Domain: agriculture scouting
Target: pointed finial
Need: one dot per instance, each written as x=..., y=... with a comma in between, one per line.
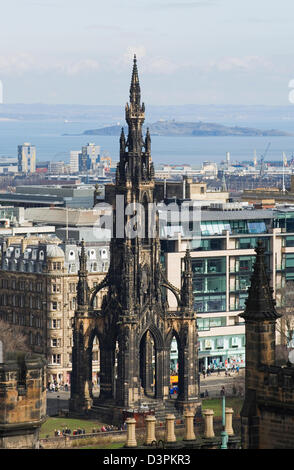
x=260, y=304
x=135, y=92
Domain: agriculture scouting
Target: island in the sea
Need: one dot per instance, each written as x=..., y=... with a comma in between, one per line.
x=194, y=129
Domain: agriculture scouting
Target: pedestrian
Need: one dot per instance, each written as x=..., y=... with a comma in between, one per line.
x=203, y=372
x=206, y=393
x=218, y=370
x=223, y=391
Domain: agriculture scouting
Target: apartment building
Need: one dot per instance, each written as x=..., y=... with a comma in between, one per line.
x=38, y=281
x=26, y=158
x=222, y=260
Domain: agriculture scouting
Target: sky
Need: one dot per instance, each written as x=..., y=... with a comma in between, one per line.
x=189, y=51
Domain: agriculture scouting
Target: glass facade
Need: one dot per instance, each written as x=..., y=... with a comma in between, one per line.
x=216, y=227
x=289, y=267
x=209, y=284
x=251, y=243
x=220, y=283
x=204, y=324
x=209, y=244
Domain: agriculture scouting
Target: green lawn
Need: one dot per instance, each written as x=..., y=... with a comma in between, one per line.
x=216, y=405
x=51, y=424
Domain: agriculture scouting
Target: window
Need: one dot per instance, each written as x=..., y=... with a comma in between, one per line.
x=56, y=358
x=256, y=227
x=55, y=342
x=220, y=343
x=56, y=266
x=198, y=266
x=207, y=344
x=54, y=323
x=54, y=306
x=209, y=303
x=235, y=342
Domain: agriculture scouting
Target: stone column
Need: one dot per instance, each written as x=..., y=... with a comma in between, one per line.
x=208, y=423
x=170, y=428
x=150, y=421
x=189, y=426
x=229, y=420
x=131, y=433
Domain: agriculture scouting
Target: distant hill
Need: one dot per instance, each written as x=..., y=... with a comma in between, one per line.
x=173, y=128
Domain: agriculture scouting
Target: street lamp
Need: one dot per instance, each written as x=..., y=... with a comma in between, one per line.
x=58, y=404
x=224, y=435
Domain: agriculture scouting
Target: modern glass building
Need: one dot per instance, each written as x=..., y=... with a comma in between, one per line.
x=223, y=257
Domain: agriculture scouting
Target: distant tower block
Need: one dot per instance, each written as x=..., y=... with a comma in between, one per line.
x=228, y=159
x=255, y=158
x=1, y=92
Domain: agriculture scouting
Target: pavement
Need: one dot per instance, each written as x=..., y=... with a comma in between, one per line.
x=213, y=383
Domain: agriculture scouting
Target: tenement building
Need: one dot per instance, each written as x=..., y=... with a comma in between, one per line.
x=134, y=325
x=38, y=281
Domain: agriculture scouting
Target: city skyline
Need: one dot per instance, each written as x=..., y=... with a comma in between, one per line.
x=203, y=52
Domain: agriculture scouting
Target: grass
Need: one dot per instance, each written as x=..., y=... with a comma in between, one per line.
x=51, y=424
x=215, y=404
x=114, y=445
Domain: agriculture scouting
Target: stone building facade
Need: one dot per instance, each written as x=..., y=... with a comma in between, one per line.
x=22, y=399
x=38, y=281
x=267, y=416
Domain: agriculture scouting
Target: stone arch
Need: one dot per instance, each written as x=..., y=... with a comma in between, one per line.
x=155, y=333
x=151, y=372
x=95, y=291
x=173, y=290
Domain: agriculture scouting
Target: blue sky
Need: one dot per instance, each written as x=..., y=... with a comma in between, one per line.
x=189, y=51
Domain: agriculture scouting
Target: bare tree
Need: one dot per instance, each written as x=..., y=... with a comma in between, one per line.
x=285, y=325
x=12, y=338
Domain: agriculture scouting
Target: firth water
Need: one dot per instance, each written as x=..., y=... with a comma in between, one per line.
x=52, y=145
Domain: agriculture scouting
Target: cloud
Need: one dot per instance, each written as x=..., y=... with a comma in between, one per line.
x=161, y=65
x=22, y=63
x=240, y=63
x=74, y=68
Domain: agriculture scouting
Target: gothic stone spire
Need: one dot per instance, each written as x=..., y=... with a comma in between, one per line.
x=135, y=114
x=82, y=286
x=187, y=283
x=260, y=304
x=135, y=91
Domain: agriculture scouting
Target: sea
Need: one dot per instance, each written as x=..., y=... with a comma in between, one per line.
x=52, y=145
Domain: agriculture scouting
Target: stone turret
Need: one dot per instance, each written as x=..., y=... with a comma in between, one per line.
x=22, y=400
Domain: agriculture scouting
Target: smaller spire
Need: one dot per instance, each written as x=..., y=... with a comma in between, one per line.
x=147, y=141
x=260, y=304
x=82, y=286
x=83, y=257
x=187, y=282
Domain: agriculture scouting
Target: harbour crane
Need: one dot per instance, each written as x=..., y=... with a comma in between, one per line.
x=262, y=157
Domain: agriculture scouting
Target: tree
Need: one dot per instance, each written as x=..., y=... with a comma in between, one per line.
x=12, y=338
x=285, y=325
